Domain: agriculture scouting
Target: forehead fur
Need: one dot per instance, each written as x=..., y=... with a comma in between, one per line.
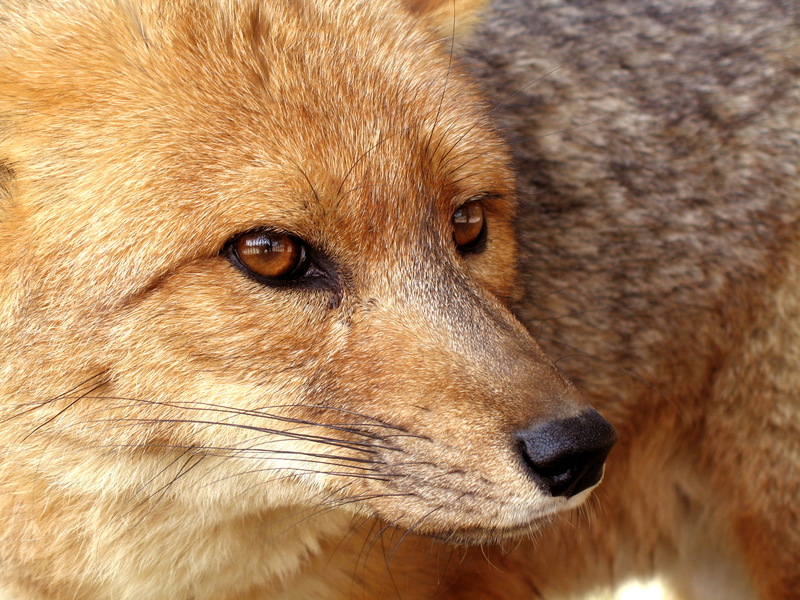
x=229, y=115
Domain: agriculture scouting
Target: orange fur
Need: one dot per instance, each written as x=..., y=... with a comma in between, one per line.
x=174, y=429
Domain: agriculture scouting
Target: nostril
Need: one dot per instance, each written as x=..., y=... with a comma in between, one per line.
x=566, y=456
x=565, y=475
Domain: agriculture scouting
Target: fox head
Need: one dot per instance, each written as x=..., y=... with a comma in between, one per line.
x=258, y=255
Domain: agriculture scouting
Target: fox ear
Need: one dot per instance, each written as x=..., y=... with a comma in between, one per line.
x=449, y=17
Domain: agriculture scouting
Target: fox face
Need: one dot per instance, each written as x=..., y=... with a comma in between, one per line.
x=256, y=257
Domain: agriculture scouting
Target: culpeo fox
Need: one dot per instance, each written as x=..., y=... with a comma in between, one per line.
x=256, y=258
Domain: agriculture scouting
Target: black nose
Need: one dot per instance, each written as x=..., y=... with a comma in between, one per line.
x=567, y=456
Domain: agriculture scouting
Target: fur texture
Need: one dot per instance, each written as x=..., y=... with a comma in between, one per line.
x=658, y=149
x=172, y=426
x=174, y=429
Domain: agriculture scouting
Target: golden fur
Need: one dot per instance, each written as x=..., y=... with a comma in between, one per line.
x=174, y=429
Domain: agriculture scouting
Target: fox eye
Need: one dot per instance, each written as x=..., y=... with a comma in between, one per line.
x=270, y=255
x=469, y=227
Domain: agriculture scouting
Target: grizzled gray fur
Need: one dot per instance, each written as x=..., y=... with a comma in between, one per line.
x=658, y=148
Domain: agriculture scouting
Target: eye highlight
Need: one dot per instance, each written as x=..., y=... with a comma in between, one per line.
x=469, y=227
x=270, y=255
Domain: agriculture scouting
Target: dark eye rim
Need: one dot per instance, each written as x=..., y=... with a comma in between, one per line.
x=308, y=274
x=477, y=245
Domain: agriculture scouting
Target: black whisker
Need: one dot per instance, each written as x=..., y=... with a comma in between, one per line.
x=444, y=90
x=293, y=473
x=363, y=447
x=190, y=463
x=497, y=106
x=308, y=181
x=260, y=413
x=359, y=558
x=363, y=155
x=357, y=499
x=37, y=405
x=63, y=410
x=455, y=170
x=229, y=452
x=412, y=529
x=350, y=533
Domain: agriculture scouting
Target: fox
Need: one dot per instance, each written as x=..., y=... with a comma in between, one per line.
x=258, y=261
x=311, y=299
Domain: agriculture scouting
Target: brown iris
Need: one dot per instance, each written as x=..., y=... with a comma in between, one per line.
x=271, y=255
x=468, y=226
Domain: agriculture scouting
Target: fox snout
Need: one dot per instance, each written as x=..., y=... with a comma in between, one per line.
x=494, y=439
x=567, y=456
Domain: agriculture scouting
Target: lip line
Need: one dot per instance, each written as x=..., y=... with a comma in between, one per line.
x=532, y=523
x=478, y=535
